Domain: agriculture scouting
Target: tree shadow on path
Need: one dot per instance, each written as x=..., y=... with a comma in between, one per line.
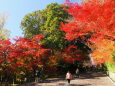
x=80, y=85
x=63, y=84
x=92, y=75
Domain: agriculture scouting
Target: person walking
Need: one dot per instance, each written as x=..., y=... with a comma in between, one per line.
x=69, y=77
x=77, y=73
x=37, y=75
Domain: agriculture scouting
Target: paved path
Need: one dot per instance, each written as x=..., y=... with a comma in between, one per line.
x=88, y=79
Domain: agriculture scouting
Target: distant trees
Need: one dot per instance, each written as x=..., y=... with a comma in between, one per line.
x=4, y=33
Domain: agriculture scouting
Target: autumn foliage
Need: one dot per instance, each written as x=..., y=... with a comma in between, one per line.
x=93, y=18
x=72, y=53
x=23, y=55
x=103, y=51
x=92, y=23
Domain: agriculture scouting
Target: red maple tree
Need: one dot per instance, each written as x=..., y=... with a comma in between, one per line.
x=23, y=55
x=93, y=18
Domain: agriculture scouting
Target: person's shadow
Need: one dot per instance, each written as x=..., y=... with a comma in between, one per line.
x=66, y=84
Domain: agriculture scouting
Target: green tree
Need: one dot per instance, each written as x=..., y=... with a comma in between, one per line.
x=47, y=22
x=31, y=24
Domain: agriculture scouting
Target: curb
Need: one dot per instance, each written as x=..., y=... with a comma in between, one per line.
x=113, y=82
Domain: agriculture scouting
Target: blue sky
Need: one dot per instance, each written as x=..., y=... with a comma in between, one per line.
x=17, y=9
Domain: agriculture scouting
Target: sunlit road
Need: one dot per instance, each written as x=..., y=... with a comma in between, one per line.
x=88, y=79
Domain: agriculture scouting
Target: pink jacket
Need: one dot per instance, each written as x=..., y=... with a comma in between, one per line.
x=69, y=76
